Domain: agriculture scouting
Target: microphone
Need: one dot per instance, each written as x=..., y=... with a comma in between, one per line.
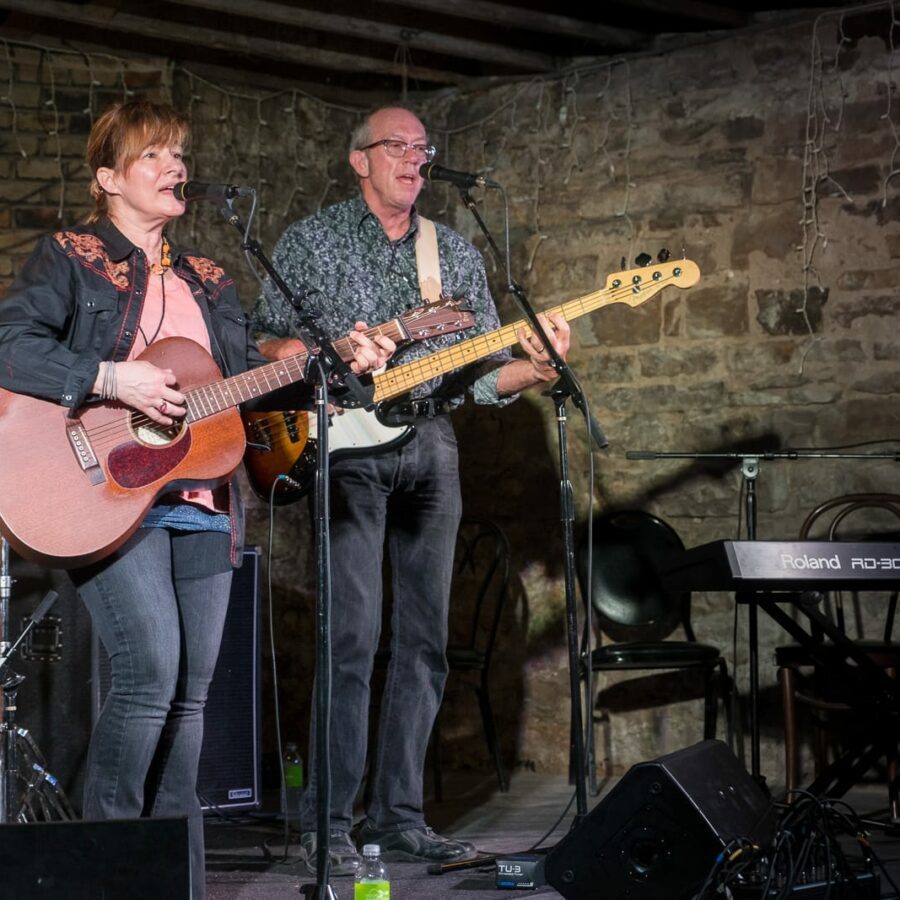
x=434, y=172
x=197, y=190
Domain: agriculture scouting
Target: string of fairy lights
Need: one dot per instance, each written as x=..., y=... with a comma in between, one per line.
x=827, y=98
x=251, y=136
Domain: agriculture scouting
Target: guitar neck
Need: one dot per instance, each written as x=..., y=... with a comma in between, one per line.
x=399, y=380
x=230, y=392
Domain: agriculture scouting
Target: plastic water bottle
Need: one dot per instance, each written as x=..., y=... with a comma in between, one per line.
x=371, y=878
x=293, y=780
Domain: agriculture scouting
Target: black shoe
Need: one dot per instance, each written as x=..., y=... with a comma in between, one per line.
x=343, y=856
x=415, y=845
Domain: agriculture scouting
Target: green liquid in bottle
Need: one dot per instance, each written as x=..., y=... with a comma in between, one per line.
x=372, y=890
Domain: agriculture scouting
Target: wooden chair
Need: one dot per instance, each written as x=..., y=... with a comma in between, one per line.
x=631, y=607
x=800, y=678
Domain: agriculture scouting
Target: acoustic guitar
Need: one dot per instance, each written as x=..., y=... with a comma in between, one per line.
x=74, y=486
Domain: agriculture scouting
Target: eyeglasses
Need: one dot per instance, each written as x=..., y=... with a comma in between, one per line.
x=399, y=149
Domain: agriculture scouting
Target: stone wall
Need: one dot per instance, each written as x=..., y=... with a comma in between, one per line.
x=768, y=158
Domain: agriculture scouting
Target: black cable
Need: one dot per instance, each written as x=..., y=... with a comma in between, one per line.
x=536, y=846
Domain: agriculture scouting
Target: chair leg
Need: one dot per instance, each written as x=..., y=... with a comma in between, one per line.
x=726, y=694
x=893, y=770
x=590, y=741
x=710, y=704
x=788, y=682
x=490, y=734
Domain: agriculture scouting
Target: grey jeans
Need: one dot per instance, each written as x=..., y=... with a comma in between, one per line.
x=411, y=498
x=159, y=607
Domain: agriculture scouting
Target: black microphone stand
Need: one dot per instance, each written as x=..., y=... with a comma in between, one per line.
x=332, y=369
x=567, y=386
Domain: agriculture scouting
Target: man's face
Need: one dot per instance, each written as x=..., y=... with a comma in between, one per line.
x=391, y=184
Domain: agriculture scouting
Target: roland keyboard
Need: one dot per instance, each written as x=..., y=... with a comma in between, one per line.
x=783, y=566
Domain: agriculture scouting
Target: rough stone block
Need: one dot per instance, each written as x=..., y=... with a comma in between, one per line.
x=847, y=312
x=37, y=167
x=869, y=279
x=622, y=326
x=776, y=180
x=778, y=310
x=774, y=232
x=672, y=361
x=744, y=128
x=881, y=382
x=716, y=311
x=855, y=180
x=886, y=351
x=573, y=275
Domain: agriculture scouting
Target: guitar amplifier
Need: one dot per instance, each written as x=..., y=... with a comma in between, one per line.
x=229, y=776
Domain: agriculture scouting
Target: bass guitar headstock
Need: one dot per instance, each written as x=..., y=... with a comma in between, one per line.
x=635, y=286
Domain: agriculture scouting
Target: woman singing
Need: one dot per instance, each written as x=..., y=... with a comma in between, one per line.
x=88, y=302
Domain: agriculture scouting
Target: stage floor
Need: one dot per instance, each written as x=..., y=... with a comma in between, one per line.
x=246, y=857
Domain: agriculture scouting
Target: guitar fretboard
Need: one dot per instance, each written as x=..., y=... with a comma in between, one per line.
x=399, y=380
x=230, y=392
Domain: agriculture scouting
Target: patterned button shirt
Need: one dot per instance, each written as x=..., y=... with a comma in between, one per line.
x=353, y=272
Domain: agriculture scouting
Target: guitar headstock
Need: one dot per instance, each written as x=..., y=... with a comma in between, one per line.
x=444, y=316
x=635, y=286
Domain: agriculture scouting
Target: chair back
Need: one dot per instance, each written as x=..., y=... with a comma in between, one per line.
x=627, y=596
x=481, y=571
x=835, y=520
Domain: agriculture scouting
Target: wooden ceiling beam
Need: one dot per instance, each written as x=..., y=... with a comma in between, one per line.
x=210, y=38
x=529, y=20
x=708, y=14
x=369, y=29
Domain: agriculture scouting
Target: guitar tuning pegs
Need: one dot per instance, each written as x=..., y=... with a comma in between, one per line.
x=643, y=259
x=663, y=255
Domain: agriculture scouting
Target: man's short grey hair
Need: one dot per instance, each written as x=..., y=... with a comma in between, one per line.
x=362, y=134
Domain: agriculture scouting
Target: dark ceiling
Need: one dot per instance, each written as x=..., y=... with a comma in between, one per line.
x=379, y=46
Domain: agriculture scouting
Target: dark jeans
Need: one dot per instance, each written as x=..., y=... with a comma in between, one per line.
x=159, y=607
x=411, y=496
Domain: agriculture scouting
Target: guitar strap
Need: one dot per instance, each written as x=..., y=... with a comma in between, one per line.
x=428, y=264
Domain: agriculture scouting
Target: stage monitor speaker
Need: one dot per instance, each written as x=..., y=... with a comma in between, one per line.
x=141, y=859
x=657, y=833
x=229, y=776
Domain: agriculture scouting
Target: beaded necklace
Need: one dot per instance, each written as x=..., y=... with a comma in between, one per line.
x=160, y=268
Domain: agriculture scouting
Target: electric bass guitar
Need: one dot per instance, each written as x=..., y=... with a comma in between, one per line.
x=284, y=466
x=74, y=486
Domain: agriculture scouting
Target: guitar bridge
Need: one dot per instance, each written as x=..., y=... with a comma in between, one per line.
x=84, y=452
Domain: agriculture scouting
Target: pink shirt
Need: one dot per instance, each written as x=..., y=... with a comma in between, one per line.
x=175, y=313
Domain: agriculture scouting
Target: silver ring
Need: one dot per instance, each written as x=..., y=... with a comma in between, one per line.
x=162, y=408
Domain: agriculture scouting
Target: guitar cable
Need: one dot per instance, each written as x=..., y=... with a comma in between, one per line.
x=286, y=833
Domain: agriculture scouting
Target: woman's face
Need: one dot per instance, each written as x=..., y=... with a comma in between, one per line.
x=143, y=192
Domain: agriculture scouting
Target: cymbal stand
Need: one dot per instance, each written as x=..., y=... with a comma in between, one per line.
x=40, y=781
